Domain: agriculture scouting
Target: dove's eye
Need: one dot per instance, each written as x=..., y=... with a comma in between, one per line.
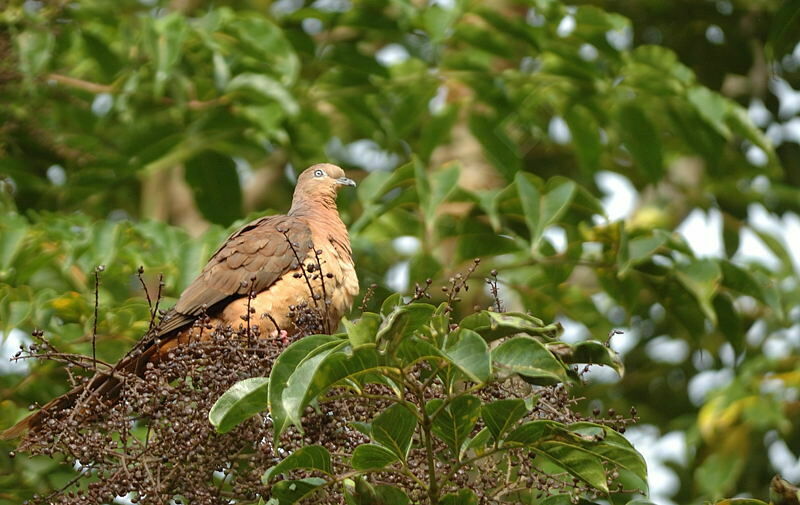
x=318, y=173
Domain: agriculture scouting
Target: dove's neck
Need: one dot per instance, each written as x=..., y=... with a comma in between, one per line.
x=314, y=205
x=321, y=214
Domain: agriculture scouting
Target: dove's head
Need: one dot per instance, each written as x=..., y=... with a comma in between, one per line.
x=318, y=184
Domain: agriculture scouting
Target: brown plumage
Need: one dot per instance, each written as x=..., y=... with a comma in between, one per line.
x=261, y=258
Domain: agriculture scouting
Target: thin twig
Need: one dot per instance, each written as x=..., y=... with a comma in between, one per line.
x=300, y=264
x=250, y=296
x=97, y=271
x=95, y=88
x=325, y=302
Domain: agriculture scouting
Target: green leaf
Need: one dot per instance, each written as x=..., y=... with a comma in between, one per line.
x=14, y=313
x=239, y=402
x=719, y=472
x=783, y=33
x=586, y=137
x=463, y=497
x=501, y=151
x=390, y=495
x=588, y=352
x=309, y=457
x=391, y=303
x=222, y=71
x=364, y=330
x=442, y=184
x=362, y=492
x=638, y=250
x=371, y=456
x=283, y=368
x=738, y=279
x=267, y=43
x=266, y=88
x=701, y=278
x=170, y=32
x=642, y=140
x=438, y=22
x=469, y=352
x=287, y=492
x=500, y=415
x=728, y=321
x=739, y=121
x=483, y=245
x=35, y=50
x=528, y=357
x=436, y=130
x=98, y=49
x=13, y=230
x=318, y=373
x=454, y=423
x=712, y=107
x=495, y=325
x=615, y=449
x=402, y=322
x=394, y=429
x=215, y=184
x=543, y=210
x=577, y=462
x=414, y=349
x=554, y=442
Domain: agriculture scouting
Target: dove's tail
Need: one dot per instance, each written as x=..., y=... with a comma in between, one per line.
x=105, y=386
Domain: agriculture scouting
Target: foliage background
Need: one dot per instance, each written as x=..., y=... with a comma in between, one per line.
x=138, y=132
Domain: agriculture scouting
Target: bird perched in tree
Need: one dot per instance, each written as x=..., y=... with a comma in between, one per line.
x=260, y=274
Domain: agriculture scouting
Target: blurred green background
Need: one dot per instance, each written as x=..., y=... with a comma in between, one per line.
x=624, y=165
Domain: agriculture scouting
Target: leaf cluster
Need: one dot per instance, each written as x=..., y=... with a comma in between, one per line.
x=461, y=402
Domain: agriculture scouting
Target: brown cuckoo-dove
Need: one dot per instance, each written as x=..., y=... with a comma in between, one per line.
x=260, y=267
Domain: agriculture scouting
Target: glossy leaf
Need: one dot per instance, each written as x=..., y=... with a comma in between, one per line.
x=283, y=368
x=494, y=325
x=243, y=400
x=528, y=357
x=454, y=423
x=543, y=209
x=318, y=373
x=554, y=442
x=309, y=457
x=364, y=330
x=469, y=352
x=371, y=456
x=362, y=492
x=394, y=428
x=701, y=278
x=614, y=448
x=588, y=352
x=402, y=322
x=500, y=415
x=287, y=492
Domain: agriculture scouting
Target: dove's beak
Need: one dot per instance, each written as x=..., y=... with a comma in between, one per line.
x=344, y=181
